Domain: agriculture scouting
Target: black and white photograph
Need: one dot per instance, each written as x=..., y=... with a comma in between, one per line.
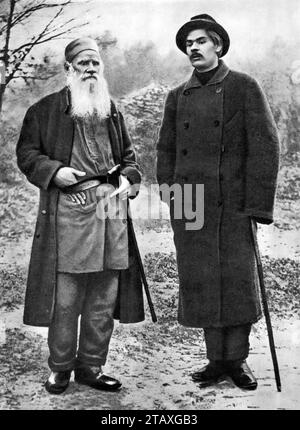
x=149, y=207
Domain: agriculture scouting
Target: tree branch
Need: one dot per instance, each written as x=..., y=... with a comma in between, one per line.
x=35, y=40
x=35, y=78
x=8, y=32
x=20, y=11
x=29, y=46
x=18, y=18
x=48, y=31
x=40, y=39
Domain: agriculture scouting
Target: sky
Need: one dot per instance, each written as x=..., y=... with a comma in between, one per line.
x=252, y=24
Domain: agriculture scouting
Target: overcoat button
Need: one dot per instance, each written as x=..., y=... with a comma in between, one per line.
x=184, y=151
x=187, y=93
x=44, y=212
x=218, y=90
x=216, y=123
x=220, y=203
x=221, y=177
x=124, y=221
x=186, y=124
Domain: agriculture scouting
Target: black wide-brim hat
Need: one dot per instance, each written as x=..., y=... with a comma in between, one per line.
x=207, y=23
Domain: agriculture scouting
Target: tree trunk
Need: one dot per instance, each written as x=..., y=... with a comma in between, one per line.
x=2, y=90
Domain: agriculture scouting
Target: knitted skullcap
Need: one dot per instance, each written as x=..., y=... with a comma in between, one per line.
x=79, y=45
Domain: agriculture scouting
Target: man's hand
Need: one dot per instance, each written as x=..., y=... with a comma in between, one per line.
x=125, y=189
x=65, y=176
x=79, y=198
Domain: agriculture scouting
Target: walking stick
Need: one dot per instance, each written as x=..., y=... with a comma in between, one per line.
x=142, y=272
x=138, y=255
x=265, y=307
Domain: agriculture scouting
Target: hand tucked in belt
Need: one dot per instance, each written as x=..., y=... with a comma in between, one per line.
x=66, y=176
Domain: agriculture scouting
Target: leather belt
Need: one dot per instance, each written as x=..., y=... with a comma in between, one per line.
x=86, y=185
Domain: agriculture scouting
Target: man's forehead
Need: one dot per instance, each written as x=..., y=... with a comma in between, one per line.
x=87, y=55
x=195, y=34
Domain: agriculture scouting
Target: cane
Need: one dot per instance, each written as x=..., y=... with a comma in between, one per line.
x=265, y=307
x=141, y=268
x=138, y=255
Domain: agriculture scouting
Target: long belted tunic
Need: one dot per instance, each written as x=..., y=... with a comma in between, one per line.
x=221, y=135
x=87, y=239
x=45, y=144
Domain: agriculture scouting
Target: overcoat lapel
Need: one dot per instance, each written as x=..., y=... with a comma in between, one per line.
x=65, y=137
x=115, y=135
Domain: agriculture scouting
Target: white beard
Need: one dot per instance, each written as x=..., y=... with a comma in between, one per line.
x=89, y=97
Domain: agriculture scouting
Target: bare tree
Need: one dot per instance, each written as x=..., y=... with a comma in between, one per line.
x=16, y=62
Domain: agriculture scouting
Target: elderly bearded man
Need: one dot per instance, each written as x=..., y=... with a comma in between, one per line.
x=218, y=130
x=82, y=261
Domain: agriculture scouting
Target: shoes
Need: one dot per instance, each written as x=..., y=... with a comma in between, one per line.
x=208, y=375
x=242, y=376
x=99, y=381
x=58, y=382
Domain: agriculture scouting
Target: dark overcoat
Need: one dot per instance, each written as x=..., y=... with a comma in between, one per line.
x=45, y=145
x=221, y=135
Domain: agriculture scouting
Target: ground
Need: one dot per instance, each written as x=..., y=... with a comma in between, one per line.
x=154, y=361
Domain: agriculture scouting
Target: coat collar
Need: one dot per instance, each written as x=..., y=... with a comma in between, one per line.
x=218, y=77
x=65, y=100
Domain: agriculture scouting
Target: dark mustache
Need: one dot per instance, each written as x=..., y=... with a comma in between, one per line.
x=196, y=55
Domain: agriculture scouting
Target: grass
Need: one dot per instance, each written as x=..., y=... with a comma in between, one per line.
x=281, y=279
x=12, y=281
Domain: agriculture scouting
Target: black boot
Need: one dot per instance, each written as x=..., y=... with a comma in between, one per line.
x=58, y=382
x=241, y=375
x=99, y=381
x=209, y=374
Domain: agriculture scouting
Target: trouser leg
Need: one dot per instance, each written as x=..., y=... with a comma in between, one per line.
x=97, y=322
x=227, y=343
x=62, y=334
x=214, y=341
x=236, y=345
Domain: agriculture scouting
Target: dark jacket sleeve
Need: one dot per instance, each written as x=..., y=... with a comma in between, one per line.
x=129, y=167
x=38, y=167
x=166, y=149
x=262, y=160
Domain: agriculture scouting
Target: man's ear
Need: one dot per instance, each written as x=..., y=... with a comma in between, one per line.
x=68, y=66
x=219, y=49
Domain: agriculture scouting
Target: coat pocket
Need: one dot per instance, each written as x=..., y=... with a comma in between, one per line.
x=235, y=121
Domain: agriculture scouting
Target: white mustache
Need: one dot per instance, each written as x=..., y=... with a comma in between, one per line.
x=84, y=78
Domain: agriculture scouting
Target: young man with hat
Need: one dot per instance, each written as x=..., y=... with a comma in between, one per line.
x=218, y=130
x=75, y=148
